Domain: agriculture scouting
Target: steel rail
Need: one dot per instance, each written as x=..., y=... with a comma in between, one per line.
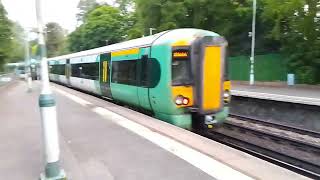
x=280, y=159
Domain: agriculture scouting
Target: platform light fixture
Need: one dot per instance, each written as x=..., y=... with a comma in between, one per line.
x=27, y=62
x=151, y=30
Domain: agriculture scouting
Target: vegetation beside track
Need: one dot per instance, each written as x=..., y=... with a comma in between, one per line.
x=290, y=28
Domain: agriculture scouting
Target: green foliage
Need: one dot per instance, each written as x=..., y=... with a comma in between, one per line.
x=85, y=6
x=55, y=39
x=282, y=25
x=295, y=25
x=5, y=36
x=18, y=43
x=125, y=5
x=102, y=25
x=231, y=19
x=11, y=40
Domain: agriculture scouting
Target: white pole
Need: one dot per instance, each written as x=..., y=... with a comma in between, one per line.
x=48, y=113
x=27, y=63
x=151, y=31
x=253, y=42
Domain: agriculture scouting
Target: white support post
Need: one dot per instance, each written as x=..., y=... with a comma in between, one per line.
x=27, y=64
x=48, y=113
x=252, y=58
x=151, y=31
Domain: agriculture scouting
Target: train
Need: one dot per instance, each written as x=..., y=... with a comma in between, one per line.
x=178, y=76
x=34, y=69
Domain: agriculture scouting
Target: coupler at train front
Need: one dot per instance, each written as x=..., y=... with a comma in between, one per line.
x=201, y=122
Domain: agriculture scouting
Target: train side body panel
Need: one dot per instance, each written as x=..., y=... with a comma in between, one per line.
x=161, y=96
x=123, y=87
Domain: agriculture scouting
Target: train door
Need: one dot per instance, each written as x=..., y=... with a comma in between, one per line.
x=68, y=71
x=105, y=60
x=143, y=79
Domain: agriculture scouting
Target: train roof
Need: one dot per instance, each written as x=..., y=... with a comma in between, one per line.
x=140, y=42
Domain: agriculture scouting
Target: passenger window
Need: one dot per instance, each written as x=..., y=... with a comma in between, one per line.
x=90, y=71
x=58, y=69
x=85, y=70
x=75, y=71
x=124, y=72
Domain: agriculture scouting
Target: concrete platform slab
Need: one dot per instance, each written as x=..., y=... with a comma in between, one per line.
x=247, y=164
x=92, y=147
x=100, y=140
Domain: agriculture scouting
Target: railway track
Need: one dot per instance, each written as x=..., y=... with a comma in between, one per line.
x=296, y=155
x=277, y=125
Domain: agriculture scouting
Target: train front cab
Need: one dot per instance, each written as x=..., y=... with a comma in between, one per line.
x=199, y=83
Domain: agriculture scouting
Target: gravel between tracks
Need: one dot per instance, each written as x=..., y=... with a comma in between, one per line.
x=277, y=131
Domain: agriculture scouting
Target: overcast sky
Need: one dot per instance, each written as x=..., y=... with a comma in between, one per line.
x=60, y=11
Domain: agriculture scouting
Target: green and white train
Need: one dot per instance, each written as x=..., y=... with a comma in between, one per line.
x=178, y=75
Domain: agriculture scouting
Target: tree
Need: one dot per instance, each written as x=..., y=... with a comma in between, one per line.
x=18, y=43
x=55, y=39
x=6, y=36
x=231, y=19
x=296, y=25
x=103, y=25
x=84, y=7
x=125, y=6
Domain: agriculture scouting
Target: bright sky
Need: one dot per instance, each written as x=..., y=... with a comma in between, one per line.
x=60, y=11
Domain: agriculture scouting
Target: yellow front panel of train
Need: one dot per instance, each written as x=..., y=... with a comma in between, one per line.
x=212, y=78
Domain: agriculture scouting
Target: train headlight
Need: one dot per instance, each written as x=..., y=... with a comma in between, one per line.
x=185, y=101
x=227, y=96
x=180, y=100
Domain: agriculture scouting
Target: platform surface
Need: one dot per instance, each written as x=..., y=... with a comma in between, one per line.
x=303, y=95
x=98, y=143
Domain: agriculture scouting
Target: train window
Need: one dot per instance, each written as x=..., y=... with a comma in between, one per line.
x=75, y=71
x=90, y=71
x=124, y=72
x=181, y=68
x=85, y=70
x=58, y=69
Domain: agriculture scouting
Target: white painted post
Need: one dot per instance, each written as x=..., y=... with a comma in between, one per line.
x=48, y=113
x=27, y=64
x=151, y=31
x=253, y=42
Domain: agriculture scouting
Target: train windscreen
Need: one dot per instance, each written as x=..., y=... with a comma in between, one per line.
x=181, y=68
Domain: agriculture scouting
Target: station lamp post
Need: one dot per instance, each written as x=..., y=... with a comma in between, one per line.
x=253, y=38
x=151, y=31
x=27, y=63
x=48, y=113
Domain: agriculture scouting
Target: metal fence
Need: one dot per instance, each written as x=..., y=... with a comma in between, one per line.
x=270, y=68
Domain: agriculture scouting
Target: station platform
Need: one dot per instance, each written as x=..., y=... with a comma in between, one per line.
x=295, y=94
x=5, y=78
x=101, y=140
